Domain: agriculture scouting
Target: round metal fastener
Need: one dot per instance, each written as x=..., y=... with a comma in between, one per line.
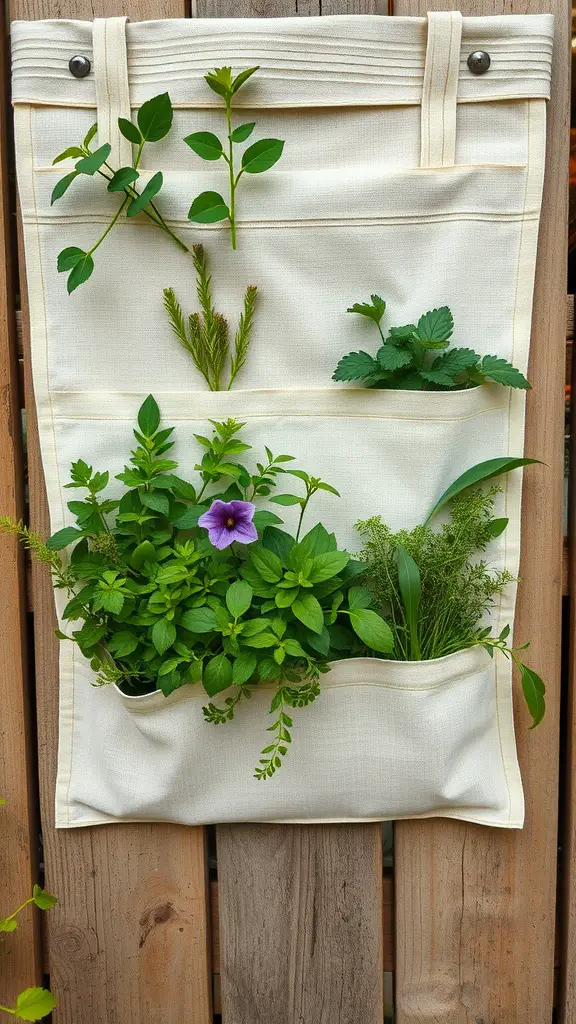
x=479, y=62
x=79, y=66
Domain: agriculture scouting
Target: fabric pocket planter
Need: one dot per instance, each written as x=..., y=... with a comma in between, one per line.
x=385, y=739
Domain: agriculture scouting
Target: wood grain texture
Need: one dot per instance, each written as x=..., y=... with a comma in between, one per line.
x=129, y=939
x=282, y=8
x=300, y=924
x=19, y=952
x=475, y=907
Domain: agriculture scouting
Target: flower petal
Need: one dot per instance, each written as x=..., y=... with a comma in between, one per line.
x=221, y=537
x=245, y=532
x=242, y=510
x=216, y=515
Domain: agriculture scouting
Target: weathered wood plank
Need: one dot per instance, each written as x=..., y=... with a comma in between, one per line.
x=129, y=940
x=281, y=8
x=300, y=924
x=21, y=966
x=475, y=907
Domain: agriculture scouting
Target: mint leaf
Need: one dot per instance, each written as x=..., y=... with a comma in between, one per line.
x=372, y=630
x=239, y=598
x=243, y=667
x=63, y=538
x=356, y=366
x=307, y=609
x=217, y=675
x=435, y=327
x=163, y=635
x=200, y=620
x=502, y=372
x=374, y=310
x=391, y=358
x=149, y=416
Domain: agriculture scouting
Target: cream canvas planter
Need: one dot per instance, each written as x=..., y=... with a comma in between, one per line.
x=404, y=174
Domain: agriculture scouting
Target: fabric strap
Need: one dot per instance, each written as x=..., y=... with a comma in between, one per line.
x=440, y=89
x=112, y=90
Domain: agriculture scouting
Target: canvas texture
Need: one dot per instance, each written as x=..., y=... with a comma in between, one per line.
x=402, y=174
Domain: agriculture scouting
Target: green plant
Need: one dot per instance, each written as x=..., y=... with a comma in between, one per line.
x=161, y=604
x=154, y=121
x=34, y=1003
x=408, y=356
x=434, y=589
x=210, y=207
x=206, y=334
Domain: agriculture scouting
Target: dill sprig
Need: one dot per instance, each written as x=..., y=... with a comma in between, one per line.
x=206, y=335
x=457, y=587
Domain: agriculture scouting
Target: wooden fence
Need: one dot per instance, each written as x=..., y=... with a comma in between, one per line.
x=294, y=924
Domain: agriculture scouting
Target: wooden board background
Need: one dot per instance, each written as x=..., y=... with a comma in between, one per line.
x=301, y=938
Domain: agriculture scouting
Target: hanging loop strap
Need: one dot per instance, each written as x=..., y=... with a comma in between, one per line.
x=440, y=89
x=112, y=91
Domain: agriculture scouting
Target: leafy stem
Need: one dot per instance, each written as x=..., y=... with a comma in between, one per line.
x=211, y=207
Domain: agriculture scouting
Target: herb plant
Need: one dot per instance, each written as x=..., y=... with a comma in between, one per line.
x=34, y=1003
x=210, y=207
x=178, y=583
x=205, y=335
x=154, y=121
x=434, y=589
x=408, y=356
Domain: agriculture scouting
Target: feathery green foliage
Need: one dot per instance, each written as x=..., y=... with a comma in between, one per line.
x=206, y=336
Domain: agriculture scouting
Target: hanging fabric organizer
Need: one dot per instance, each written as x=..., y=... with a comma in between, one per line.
x=403, y=173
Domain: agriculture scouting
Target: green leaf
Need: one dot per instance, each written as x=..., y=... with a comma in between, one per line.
x=356, y=366
x=217, y=675
x=163, y=635
x=34, y=1004
x=189, y=520
x=260, y=640
x=278, y=541
x=243, y=667
x=307, y=609
x=243, y=77
x=170, y=681
x=239, y=598
x=262, y=155
x=147, y=193
x=123, y=643
x=8, y=924
x=502, y=372
x=208, y=208
x=294, y=649
x=155, y=118
x=68, y=258
x=72, y=153
x=199, y=620
x=478, y=474
x=322, y=486
x=43, y=900
x=205, y=144
x=316, y=542
x=410, y=590
x=372, y=630
x=391, y=358
x=243, y=132
x=63, y=538
x=286, y=499
x=90, y=134
x=374, y=310
x=220, y=81
x=264, y=518
x=396, y=335
x=534, y=691
x=80, y=273
x=156, y=502
x=497, y=526
x=62, y=185
x=145, y=552
x=91, y=164
x=435, y=327
x=325, y=566
x=149, y=416
x=266, y=563
x=451, y=363
x=129, y=131
x=122, y=178
x=359, y=597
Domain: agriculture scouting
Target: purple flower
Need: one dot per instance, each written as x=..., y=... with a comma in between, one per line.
x=227, y=521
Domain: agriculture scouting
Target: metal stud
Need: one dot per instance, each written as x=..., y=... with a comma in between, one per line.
x=79, y=66
x=479, y=62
